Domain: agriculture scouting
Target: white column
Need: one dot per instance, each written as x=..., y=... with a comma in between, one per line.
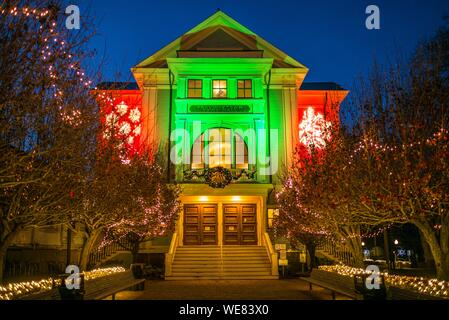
x=290, y=118
x=149, y=115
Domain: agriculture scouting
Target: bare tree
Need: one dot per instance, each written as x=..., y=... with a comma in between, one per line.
x=151, y=209
x=46, y=117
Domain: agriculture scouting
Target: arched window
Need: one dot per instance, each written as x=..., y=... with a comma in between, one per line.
x=219, y=147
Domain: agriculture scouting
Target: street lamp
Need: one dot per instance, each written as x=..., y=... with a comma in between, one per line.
x=396, y=242
x=363, y=244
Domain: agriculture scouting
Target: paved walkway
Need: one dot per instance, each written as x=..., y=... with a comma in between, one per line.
x=291, y=289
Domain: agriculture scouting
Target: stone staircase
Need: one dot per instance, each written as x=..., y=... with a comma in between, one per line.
x=227, y=262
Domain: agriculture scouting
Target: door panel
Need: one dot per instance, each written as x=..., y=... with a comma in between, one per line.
x=200, y=224
x=239, y=224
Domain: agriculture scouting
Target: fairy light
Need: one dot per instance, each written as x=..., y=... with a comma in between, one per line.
x=433, y=287
x=16, y=290
x=55, y=47
x=153, y=220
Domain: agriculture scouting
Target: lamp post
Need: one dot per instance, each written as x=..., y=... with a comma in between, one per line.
x=396, y=242
x=387, y=249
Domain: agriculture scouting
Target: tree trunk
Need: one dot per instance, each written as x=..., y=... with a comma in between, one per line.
x=311, y=249
x=428, y=258
x=135, y=251
x=4, y=245
x=440, y=256
x=355, y=246
x=3, y=250
x=88, y=246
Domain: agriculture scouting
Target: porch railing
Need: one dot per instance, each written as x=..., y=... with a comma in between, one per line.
x=97, y=256
x=272, y=255
x=170, y=255
x=337, y=252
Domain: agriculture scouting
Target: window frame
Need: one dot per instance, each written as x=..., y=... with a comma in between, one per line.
x=245, y=88
x=194, y=88
x=213, y=88
x=205, y=151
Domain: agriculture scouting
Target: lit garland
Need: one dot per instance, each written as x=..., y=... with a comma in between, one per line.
x=373, y=234
x=433, y=287
x=16, y=290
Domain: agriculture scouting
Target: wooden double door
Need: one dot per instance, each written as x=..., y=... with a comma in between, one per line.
x=239, y=224
x=200, y=224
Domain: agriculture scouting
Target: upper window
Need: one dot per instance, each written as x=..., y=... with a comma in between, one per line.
x=219, y=89
x=244, y=89
x=219, y=147
x=195, y=88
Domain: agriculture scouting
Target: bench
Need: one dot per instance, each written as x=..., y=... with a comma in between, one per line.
x=334, y=282
x=396, y=293
x=97, y=289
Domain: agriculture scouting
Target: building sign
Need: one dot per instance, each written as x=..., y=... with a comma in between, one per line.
x=283, y=262
x=283, y=254
x=280, y=246
x=219, y=108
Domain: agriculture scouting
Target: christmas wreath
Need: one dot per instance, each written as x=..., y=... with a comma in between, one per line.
x=218, y=177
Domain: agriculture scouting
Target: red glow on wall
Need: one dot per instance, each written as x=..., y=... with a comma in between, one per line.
x=318, y=112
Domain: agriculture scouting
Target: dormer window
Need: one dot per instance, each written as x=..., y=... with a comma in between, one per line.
x=219, y=89
x=195, y=88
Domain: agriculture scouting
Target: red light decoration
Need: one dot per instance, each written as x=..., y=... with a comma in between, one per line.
x=314, y=129
x=122, y=120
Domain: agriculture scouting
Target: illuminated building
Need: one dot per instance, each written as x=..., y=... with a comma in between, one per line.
x=230, y=100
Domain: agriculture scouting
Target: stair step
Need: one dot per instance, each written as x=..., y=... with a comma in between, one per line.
x=236, y=249
x=213, y=262
x=225, y=254
x=216, y=277
x=226, y=265
x=233, y=277
x=226, y=268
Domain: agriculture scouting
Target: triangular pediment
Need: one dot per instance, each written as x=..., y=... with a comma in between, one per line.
x=220, y=33
x=218, y=38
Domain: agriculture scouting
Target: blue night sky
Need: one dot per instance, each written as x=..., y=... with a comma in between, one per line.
x=329, y=37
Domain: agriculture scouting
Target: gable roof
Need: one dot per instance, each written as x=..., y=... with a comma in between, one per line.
x=220, y=33
x=331, y=86
x=107, y=85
